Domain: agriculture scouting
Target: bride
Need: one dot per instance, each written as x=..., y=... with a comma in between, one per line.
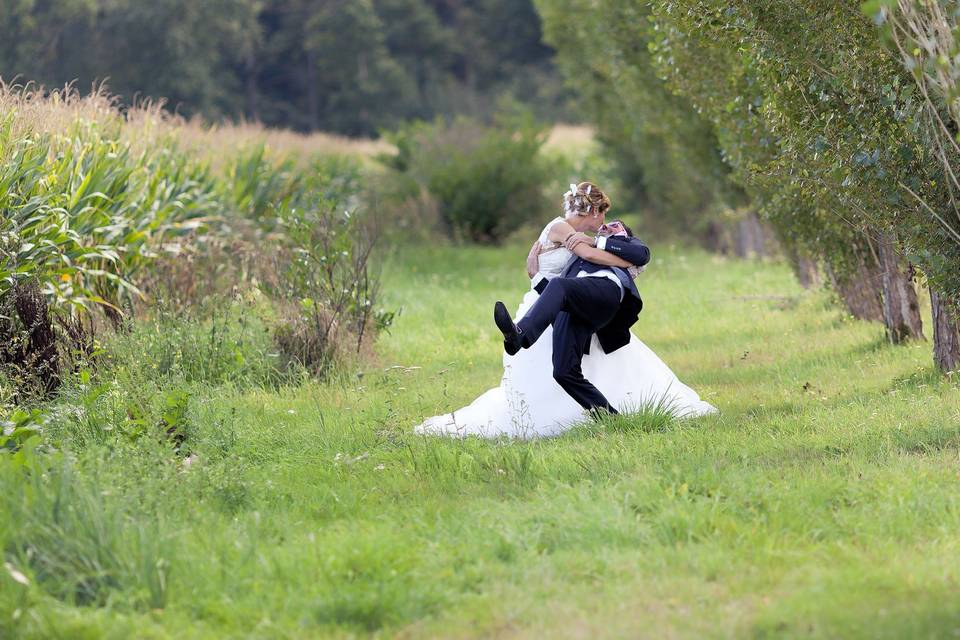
x=529, y=402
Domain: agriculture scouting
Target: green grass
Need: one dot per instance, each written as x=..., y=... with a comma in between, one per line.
x=821, y=502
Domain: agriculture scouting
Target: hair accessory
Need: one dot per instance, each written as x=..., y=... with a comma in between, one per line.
x=589, y=188
x=574, y=201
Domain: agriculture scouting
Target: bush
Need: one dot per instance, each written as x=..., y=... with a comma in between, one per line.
x=144, y=385
x=326, y=289
x=229, y=347
x=485, y=180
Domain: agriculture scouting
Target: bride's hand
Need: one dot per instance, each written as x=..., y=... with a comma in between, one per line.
x=562, y=232
x=577, y=238
x=533, y=259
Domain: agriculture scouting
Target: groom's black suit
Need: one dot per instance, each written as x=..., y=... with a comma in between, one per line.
x=579, y=307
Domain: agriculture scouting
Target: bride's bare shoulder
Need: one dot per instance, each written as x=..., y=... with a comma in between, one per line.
x=558, y=230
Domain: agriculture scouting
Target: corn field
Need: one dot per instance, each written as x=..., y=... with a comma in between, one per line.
x=92, y=200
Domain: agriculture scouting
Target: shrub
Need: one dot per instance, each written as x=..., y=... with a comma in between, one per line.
x=231, y=346
x=485, y=180
x=327, y=289
x=144, y=384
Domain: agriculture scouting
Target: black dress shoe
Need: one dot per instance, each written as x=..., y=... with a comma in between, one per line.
x=511, y=336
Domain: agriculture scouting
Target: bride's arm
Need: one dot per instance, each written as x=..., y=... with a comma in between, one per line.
x=562, y=230
x=533, y=259
x=599, y=256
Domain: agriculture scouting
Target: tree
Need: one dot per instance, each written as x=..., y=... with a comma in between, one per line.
x=352, y=67
x=816, y=121
x=668, y=154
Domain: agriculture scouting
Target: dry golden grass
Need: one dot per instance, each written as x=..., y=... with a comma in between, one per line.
x=37, y=110
x=213, y=139
x=33, y=109
x=564, y=137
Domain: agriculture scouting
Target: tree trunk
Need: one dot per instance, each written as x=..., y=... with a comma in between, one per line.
x=747, y=236
x=805, y=268
x=753, y=238
x=901, y=311
x=946, y=334
x=253, y=101
x=860, y=291
x=313, y=97
x=717, y=238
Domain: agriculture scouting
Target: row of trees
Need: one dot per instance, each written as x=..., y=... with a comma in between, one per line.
x=835, y=121
x=350, y=66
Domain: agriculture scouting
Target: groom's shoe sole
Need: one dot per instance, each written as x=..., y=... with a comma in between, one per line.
x=511, y=337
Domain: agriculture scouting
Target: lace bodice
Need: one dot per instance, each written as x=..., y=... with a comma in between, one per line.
x=554, y=258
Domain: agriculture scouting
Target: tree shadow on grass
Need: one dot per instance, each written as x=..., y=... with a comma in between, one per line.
x=919, y=440
x=927, y=439
x=861, y=611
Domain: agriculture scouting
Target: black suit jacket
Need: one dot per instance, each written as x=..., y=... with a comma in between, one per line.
x=616, y=333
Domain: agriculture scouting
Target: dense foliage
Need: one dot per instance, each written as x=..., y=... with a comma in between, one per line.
x=820, y=124
x=667, y=153
x=481, y=181
x=105, y=213
x=350, y=67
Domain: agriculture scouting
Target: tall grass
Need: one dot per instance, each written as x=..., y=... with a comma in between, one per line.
x=80, y=547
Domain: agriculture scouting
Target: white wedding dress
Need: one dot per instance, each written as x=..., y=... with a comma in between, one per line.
x=529, y=403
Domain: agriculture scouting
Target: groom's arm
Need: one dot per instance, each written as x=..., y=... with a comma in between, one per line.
x=630, y=249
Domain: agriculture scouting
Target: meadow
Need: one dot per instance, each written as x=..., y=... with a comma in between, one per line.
x=821, y=502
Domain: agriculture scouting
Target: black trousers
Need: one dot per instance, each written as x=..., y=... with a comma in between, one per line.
x=576, y=307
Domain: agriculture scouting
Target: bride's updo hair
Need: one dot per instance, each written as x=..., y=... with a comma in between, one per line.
x=585, y=199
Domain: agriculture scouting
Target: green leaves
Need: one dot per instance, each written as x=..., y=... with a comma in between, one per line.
x=877, y=9
x=817, y=122
x=18, y=428
x=485, y=180
x=84, y=214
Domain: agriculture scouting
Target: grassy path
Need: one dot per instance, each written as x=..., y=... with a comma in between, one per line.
x=822, y=502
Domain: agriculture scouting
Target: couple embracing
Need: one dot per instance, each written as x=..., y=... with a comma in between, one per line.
x=570, y=353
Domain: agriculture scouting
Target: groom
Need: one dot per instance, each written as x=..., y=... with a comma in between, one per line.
x=588, y=298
